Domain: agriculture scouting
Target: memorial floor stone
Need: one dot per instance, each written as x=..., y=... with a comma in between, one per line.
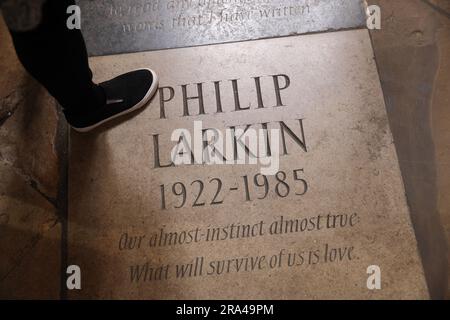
x=117, y=26
x=141, y=227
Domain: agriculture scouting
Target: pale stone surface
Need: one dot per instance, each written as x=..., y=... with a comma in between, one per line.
x=29, y=226
x=350, y=167
x=413, y=51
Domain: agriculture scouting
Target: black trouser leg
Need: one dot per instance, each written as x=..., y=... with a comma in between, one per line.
x=57, y=58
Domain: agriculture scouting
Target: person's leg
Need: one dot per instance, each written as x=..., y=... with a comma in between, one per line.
x=57, y=58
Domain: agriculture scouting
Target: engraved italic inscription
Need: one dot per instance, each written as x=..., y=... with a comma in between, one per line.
x=127, y=26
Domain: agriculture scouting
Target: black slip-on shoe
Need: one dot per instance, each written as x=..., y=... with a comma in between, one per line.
x=124, y=94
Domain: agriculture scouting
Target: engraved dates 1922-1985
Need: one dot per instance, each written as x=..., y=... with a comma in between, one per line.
x=257, y=187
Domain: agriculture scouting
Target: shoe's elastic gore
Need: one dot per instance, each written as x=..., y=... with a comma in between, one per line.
x=114, y=101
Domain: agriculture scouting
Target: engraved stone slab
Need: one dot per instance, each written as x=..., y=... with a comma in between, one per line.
x=117, y=26
x=140, y=228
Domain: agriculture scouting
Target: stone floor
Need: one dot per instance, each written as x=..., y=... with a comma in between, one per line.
x=413, y=56
x=412, y=52
x=114, y=186
x=30, y=228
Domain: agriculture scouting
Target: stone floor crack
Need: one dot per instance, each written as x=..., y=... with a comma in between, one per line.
x=9, y=104
x=61, y=145
x=30, y=246
x=33, y=183
x=437, y=8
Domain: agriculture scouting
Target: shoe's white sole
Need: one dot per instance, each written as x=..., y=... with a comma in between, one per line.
x=151, y=92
